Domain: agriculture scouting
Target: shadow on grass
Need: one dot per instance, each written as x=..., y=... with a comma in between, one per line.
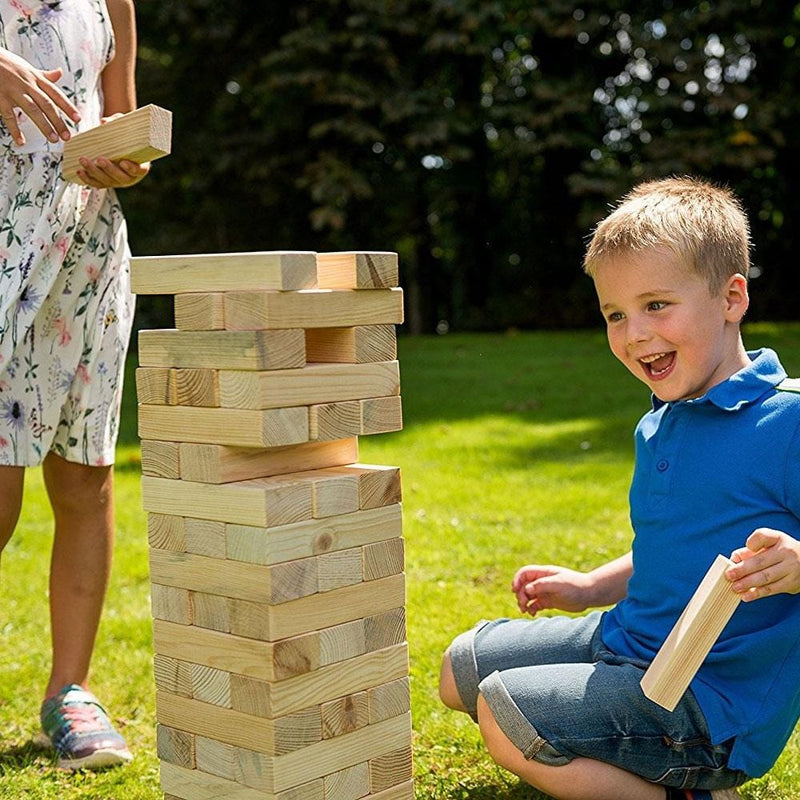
x=25, y=755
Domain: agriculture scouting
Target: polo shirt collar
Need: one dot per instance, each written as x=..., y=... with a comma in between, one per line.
x=745, y=386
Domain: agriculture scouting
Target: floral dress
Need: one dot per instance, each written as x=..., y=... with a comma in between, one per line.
x=65, y=303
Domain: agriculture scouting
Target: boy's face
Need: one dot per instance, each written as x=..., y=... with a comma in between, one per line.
x=666, y=326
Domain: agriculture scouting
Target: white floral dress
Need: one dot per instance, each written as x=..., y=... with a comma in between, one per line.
x=65, y=303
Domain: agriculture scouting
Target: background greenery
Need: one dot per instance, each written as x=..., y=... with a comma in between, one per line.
x=516, y=448
x=481, y=139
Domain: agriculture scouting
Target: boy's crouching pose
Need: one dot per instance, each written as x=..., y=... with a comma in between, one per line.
x=717, y=470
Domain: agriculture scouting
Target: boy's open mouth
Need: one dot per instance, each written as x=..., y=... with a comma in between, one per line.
x=658, y=365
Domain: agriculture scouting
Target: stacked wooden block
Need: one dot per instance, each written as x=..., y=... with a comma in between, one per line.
x=276, y=559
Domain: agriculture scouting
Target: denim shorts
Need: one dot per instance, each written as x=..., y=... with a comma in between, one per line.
x=558, y=694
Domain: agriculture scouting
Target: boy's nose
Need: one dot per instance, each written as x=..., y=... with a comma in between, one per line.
x=637, y=331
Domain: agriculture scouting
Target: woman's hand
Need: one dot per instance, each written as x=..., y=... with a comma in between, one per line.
x=35, y=93
x=769, y=564
x=101, y=173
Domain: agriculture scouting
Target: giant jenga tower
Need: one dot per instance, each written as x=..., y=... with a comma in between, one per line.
x=276, y=559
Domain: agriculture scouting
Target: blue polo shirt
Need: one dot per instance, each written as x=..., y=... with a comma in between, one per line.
x=709, y=471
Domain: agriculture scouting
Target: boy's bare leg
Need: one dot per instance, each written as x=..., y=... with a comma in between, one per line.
x=448, y=692
x=83, y=507
x=12, y=480
x=581, y=779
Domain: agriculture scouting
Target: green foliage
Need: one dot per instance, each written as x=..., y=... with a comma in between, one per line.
x=516, y=448
x=481, y=139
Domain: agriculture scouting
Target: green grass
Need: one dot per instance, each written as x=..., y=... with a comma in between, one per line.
x=516, y=448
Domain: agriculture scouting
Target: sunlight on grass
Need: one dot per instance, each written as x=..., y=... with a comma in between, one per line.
x=516, y=448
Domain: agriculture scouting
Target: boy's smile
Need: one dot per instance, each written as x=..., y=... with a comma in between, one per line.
x=667, y=327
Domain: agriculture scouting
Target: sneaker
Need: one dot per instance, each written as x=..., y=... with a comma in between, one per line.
x=79, y=729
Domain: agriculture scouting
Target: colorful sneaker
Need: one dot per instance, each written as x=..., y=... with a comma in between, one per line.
x=81, y=732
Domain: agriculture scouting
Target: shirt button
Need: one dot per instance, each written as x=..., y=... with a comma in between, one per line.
x=662, y=465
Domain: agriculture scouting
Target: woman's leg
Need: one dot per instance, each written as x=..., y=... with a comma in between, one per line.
x=83, y=507
x=12, y=480
x=580, y=779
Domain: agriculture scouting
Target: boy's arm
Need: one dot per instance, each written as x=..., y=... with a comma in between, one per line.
x=768, y=564
x=538, y=587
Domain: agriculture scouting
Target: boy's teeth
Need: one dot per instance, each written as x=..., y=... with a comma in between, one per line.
x=651, y=359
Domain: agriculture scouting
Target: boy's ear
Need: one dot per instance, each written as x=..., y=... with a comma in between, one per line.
x=736, y=298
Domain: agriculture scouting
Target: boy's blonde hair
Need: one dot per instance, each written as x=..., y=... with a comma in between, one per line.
x=702, y=224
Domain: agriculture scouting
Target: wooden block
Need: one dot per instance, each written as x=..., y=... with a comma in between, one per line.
x=175, y=746
x=381, y=415
x=252, y=502
x=347, y=784
x=389, y=700
x=172, y=675
x=296, y=655
x=166, y=532
x=161, y=459
x=259, y=545
x=261, y=350
x=213, y=463
x=386, y=628
x=211, y=685
x=223, y=272
x=331, y=755
x=263, y=698
x=403, y=791
x=342, y=642
x=390, y=769
x=359, y=344
x=355, y=418
x=341, y=568
x=692, y=637
x=335, y=496
x=345, y=714
x=357, y=270
x=202, y=311
x=314, y=383
x=383, y=558
x=211, y=611
x=274, y=584
x=156, y=385
x=270, y=736
x=216, y=758
x=141, y=135
x=312, y=308
x=238, y=427
x=377, y=485
x=205, y=537
x=171, y=603
x=197, y=387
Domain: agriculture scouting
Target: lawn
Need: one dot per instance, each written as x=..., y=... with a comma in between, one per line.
x=516, y=448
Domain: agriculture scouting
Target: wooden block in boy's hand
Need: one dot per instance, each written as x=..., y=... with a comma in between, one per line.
x=693, y=636
x=141, y=135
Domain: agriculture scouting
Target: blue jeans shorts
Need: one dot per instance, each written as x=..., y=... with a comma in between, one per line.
x=558, y=694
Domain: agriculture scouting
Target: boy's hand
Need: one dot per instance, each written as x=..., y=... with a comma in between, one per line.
x=769, y=564
x=540, y=587
x=34, y=92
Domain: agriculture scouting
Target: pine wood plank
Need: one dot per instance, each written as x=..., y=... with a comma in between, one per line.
x=692, y=637
x=403, y=791
x=237, y=427
x=210, y=685
x=340, y=568
x=385, y=628
x=312, y=308
x=213, y=463
x=390, y=769
x=172, y=675
x=144, y=134
x=359, y=344
x=347, y=784
x=197, y=387
x=389, y=700
x=383, y=558
x=205, y=537
x=211, y=611
x=166, y=532
x=344, y=714
x=252, y=502
x=224, y=272
x=246, y=350
x=161, y=459
x=355, y=418
x=289, y=733
x=216, y=758
x=342, y=642
x=314, y=383
x=261, y=545
x=172, y=603
x=156, y=385
x=357, y=270
x=175, y=746
x=199, y=311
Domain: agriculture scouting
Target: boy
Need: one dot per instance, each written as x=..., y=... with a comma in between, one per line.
x=717, y=470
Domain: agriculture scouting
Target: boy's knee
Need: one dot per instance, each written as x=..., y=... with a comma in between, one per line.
x=448, y=691
x=500, y=747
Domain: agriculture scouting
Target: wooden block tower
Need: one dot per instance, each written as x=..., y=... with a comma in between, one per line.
x=276, y=559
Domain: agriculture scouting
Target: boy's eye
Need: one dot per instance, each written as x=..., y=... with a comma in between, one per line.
x=656, y=305
x=615, y=316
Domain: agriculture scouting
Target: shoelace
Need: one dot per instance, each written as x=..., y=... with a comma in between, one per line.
x=83, y=718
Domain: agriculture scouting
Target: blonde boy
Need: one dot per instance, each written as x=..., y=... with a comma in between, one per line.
x=717, y=470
